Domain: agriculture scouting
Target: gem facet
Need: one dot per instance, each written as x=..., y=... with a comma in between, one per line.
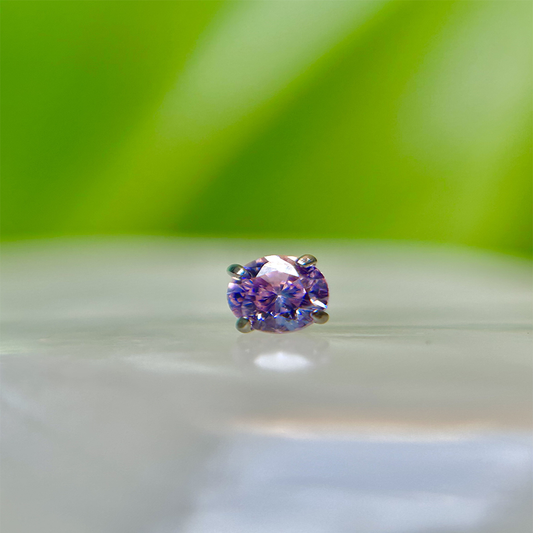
x=278, y=294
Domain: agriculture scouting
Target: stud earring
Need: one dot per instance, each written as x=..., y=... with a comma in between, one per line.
x=278, y=294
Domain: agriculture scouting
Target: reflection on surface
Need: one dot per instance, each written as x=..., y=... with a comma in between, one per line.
x=130, y=404
x=282, y=362
x=257, y=484
x=281, y=353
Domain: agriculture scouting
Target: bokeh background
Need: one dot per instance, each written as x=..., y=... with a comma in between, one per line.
x=407, y=120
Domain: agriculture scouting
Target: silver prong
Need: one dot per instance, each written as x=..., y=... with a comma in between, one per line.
x=320, y=317
x=237, y=271
x=306, y=260
x=243, y=325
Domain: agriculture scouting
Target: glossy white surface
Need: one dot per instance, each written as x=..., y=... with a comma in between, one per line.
x=131, y=404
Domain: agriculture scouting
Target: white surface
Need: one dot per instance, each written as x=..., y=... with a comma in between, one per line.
x=131, y=404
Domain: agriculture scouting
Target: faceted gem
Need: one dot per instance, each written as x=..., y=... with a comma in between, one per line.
x=278, y=295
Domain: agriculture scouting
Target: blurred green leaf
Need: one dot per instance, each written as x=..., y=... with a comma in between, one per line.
x=396, y=120
x=77, y=79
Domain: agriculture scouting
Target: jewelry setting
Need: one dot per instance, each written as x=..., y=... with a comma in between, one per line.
x=278, y=294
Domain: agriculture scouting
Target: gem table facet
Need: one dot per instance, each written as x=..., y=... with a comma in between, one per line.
x=278, y=294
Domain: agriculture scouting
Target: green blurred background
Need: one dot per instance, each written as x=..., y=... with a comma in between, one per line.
x=331, y=119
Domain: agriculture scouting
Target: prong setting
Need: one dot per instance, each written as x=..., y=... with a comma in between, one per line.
x=276, y=294
x=243, y=325
x=319, y=316
x=237, y=271
x=306, y=260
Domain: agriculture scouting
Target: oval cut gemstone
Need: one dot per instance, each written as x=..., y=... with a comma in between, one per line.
x=278, y=295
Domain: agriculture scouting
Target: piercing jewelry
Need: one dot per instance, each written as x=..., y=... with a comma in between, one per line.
x=278, y=294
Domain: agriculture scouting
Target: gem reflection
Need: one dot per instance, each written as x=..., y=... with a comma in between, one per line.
x=282, y=362
x=298, y=353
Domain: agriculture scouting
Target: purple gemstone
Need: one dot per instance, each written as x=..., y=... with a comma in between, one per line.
x=280, y=295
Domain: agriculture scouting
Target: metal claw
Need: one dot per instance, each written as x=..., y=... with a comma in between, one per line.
x=319, y=316
x=243, y=325
x=306, y=260
x=237, y=271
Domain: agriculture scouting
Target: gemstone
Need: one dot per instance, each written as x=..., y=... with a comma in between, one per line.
x=277, y=294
